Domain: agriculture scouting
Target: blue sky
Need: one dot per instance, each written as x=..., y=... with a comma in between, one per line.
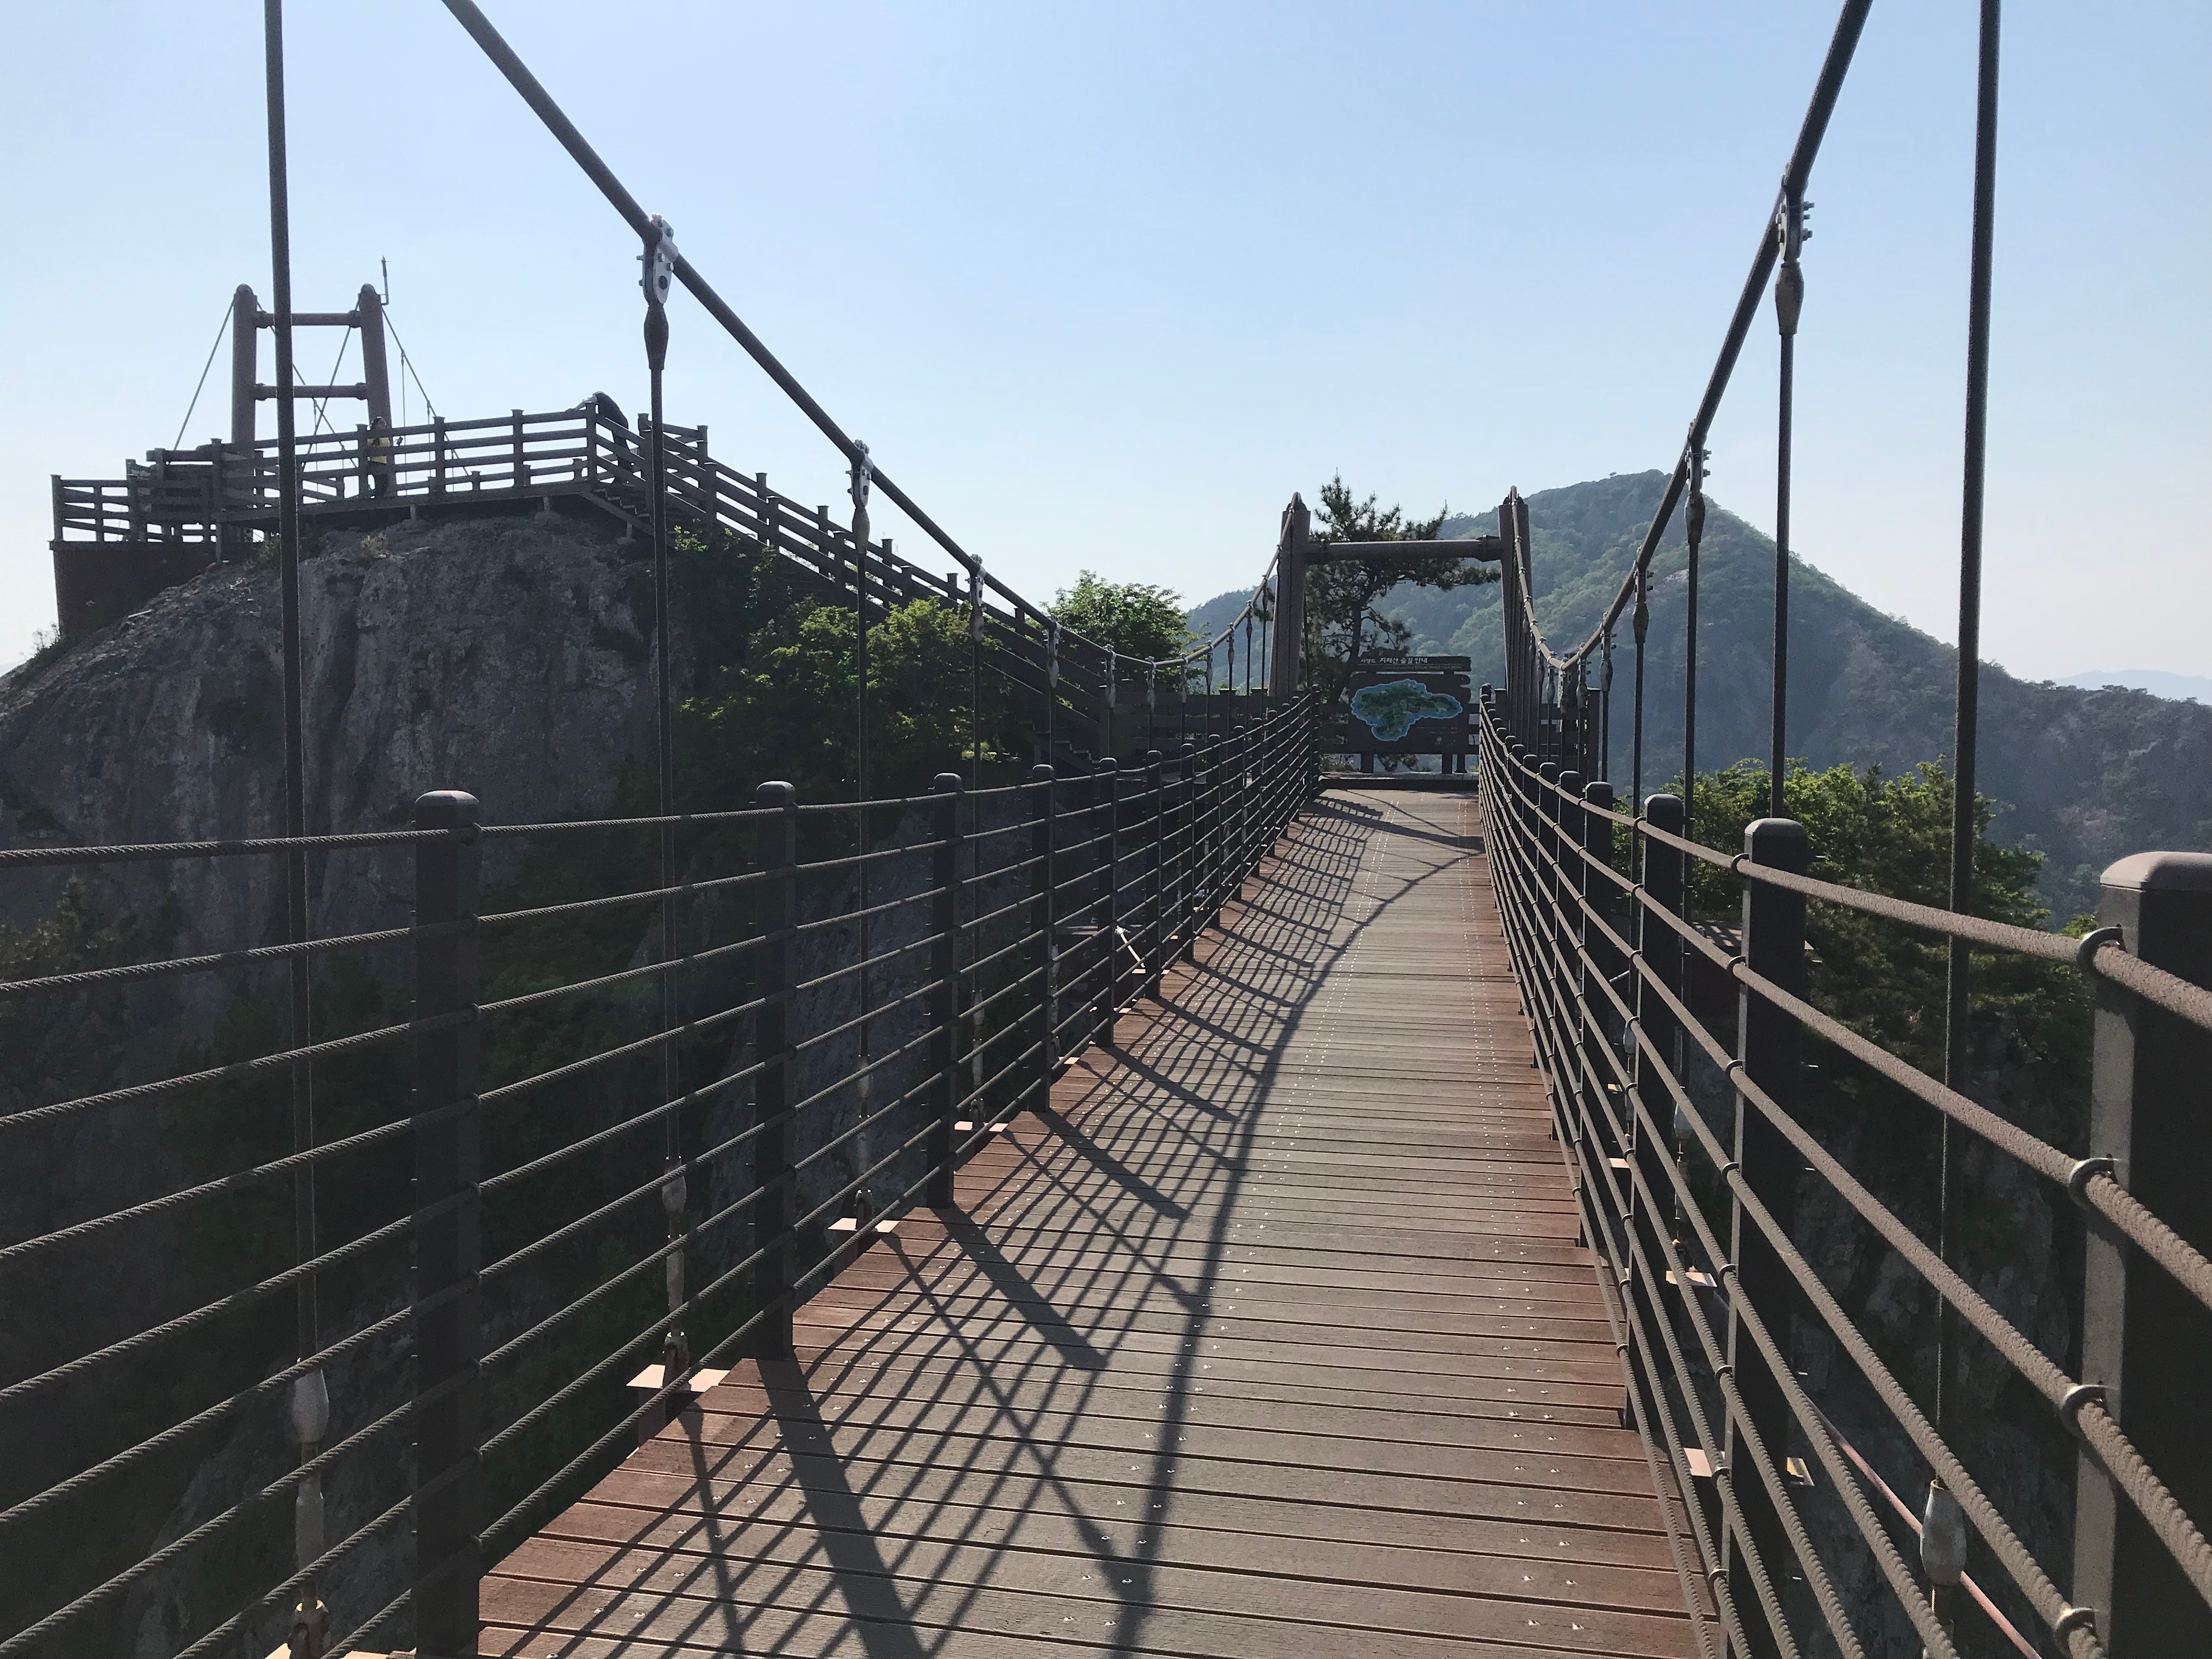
x=1102, y=285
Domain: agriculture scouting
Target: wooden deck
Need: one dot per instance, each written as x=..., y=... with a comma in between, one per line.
x=1269, y=1340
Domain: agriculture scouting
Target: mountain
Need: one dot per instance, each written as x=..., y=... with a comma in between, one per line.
x=2082, y=775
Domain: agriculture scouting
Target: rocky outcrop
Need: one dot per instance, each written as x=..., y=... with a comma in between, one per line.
x=505, y=656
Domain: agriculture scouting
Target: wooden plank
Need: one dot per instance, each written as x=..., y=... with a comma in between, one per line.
x=1267, y=1338
x=921, y=1490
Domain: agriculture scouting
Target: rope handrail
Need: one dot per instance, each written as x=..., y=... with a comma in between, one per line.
x=1556, y=927
x=1795, y=175
x=2088, y=1181
x=1030, y=994
x=2101, y=954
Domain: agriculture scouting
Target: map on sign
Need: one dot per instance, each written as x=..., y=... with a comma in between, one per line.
x=1390, y=709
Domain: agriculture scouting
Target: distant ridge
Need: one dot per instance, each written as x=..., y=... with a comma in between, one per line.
x=2187, y=688
x=2084, y=775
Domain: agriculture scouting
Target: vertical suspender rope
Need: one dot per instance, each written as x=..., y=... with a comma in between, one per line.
x=975, y=626
x=1266, y=636
x=1640, y=625
x=1605, y=712
x=656, y=267
x=1112, y=692
x=311, y=1408
x=975, y=684
x=1229, y=681
x=1051, y=683
x=1205, y=727
x=863, y=1201
x=1693, y=527
x=1964, y=831
x=1788, y=301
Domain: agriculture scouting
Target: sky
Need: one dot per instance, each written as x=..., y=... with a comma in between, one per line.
x=1100, y=286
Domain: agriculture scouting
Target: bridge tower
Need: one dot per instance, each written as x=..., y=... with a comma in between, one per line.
x=248, y=392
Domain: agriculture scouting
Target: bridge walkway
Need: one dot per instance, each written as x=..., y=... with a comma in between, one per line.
x=1268, y=1338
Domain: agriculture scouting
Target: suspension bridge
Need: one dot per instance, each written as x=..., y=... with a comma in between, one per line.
x=1145, y=1194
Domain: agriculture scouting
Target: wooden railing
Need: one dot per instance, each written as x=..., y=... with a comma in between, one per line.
x=188, y=498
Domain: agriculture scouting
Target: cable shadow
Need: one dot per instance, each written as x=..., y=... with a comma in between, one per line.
x=1008, y=1280
x=1105, y=1162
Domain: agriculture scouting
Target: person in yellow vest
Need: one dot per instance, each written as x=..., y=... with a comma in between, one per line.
x=380, y=456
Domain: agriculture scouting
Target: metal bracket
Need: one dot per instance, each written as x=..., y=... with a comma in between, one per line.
x=657, y=264
x=2071, y=1402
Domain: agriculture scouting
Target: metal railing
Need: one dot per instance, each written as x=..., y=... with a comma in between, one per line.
x=1707, y=1273
x=506, y=1206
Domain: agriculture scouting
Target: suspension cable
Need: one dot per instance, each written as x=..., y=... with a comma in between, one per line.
x=223, y=329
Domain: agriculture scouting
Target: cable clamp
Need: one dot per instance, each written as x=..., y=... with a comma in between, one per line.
x=864, y=471
x=2094, y=941
x=2072, y=1620
x=658, y=263
x=2084, y=1171
x=2071, y=1402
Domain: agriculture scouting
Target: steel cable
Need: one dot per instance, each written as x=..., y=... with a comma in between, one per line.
x=1996, y=1532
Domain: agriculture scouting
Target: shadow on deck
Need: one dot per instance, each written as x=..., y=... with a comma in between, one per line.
x=1268, y=1338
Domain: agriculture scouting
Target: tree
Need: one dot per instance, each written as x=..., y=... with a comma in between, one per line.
x=1341, y=595
x=1136, y=619
x=1892, y=836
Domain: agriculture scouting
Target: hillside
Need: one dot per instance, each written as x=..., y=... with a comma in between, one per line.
x=2084, y=776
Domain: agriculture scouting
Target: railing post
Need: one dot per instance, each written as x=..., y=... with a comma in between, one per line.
x=1543, y=877
x=1209, y=837
x=1604, y=963
x=438, y=455
x=1157, y=944
x=1767, y=1045
x=2145, y=1340
x=776, y=848
x=1109, y=924
x=1042, y=926
x=1187, y=831
x=945, y=996
x=449, y=1241
x=1252, y=780
x=1661, y=959
x=1573, y=1087
x=521, y=465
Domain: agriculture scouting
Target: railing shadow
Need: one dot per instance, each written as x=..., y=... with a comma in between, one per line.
x=960, y=1386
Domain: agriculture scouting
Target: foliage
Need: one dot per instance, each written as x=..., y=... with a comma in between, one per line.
x=1892, y=836
x=1344, y=624
x=1137, y=619
x=2028, y=1059
x=48, y=645
x=48, y=1042
x=775, y=687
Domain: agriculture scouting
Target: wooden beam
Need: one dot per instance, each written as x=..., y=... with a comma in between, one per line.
x=1483, y=548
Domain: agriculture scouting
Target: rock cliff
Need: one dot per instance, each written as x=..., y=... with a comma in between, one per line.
x=506, y=656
